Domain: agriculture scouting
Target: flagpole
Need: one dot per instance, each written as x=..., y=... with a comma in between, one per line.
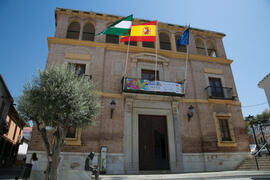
x=156, y=56
x=127, y=57
x=125, y=72
x=186, y=66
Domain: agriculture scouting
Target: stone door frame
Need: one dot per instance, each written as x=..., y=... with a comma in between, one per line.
x=133, y=108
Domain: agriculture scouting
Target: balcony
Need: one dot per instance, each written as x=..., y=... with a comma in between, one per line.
x=220, y=93
x=143, y=86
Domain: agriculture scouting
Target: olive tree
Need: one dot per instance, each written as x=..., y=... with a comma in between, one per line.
x=59, y=98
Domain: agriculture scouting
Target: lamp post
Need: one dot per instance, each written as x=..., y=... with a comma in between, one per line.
x=251, y=122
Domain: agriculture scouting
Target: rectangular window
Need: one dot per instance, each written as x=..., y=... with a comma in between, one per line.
x=80, y=67
x=149, y=75
x=216, y=87
x=131, y=43
x=71, y=132
x=112, y=39
x=224, y=129
x=14, y=132
x=148, y=44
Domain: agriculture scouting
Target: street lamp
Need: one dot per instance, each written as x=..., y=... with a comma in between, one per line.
x=112, y=107
x=251, y=122
x=190, y=112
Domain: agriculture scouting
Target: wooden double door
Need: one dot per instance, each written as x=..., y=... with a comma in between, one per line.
x=153, y=143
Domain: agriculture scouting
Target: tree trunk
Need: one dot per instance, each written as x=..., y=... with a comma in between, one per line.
x=52, y=166
x=54, y=158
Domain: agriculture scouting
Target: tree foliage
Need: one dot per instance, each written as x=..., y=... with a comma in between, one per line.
x=263, y=117
x=60, y=98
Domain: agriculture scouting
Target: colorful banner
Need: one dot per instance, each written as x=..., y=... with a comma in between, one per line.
x=149, y=86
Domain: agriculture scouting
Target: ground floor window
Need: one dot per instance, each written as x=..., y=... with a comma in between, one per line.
x=71, y=133
x=224, y=130
x=73, y=136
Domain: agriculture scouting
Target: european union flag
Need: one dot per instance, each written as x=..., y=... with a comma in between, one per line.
x=184, y=38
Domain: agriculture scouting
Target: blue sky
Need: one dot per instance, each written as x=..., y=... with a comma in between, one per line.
x=27, y=24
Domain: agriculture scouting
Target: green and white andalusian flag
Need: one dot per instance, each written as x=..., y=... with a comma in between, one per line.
x=119, y=28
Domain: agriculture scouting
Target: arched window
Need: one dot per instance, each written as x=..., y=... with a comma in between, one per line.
x=164, y=41
x=182, y=48
x=200, y=46
x=148, y=44
x=88, y=32
x=73, y=31
x=211, y=49
x=112, y=39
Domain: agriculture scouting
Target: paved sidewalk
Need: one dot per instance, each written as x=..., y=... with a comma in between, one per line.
x=223, y=175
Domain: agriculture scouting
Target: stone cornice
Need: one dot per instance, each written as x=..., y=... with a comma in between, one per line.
x=120, y=47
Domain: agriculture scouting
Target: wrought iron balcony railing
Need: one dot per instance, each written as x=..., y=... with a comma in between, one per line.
x=220, y=93
x=135, y=85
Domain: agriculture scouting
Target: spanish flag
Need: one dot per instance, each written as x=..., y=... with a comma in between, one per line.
x=142, y=32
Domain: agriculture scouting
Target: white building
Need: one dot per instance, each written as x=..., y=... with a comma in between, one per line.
x=265, y=84
x=26, y=137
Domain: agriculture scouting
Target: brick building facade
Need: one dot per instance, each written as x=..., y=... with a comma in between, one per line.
x=150, y=131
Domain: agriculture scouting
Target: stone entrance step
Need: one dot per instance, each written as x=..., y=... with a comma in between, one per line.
x=194, y=176
x=250, y=163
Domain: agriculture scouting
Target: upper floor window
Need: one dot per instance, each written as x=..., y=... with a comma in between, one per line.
x=88, y=32
x=73, y=31
x=211, y=49
x=80, y=67
x=150, y=74
x=148, y=44
x=216, y=87
x=200, y=46
x=132, y=43
x=164, y=41
x=112, y=39
x=182, y=48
